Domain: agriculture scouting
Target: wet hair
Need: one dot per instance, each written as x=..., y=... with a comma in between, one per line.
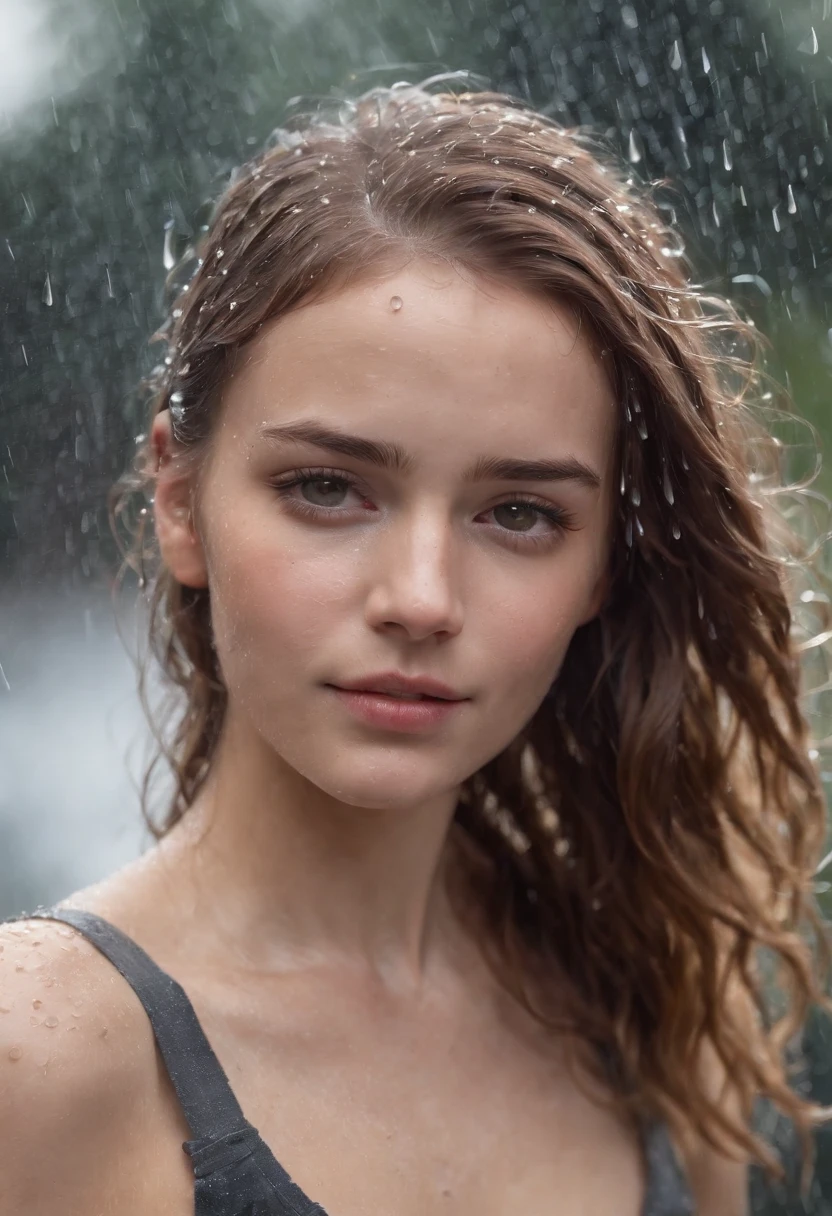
x=651, y=837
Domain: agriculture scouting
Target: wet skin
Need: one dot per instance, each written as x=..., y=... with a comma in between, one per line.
x=303, y=901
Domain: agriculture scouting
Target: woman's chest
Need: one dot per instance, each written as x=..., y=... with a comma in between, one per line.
x=365, y=1141
x=372, y=1115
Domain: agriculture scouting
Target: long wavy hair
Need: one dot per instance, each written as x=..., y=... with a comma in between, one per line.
x=652, y=836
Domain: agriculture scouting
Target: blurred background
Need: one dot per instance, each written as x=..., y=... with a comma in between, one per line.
x=120, y=121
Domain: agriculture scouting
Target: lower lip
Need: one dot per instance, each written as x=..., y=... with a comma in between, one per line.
x=393, y=713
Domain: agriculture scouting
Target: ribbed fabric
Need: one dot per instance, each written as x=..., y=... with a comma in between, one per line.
x=235, y=1172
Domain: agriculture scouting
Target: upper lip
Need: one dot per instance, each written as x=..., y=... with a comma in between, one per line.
x=393, y=681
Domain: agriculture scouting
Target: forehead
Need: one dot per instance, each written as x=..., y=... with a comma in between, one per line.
x=461, y=360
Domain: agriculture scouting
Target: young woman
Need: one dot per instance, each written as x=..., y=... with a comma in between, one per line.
x=492, y=781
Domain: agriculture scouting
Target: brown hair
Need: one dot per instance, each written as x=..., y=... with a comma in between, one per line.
x=653, y=833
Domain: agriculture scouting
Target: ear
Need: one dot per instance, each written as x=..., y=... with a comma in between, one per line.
x=179, y=541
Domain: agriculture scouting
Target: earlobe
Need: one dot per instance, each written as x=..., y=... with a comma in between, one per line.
x=179, y=541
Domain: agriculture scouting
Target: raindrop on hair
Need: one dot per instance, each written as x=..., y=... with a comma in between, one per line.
x=667, y=487
x=396, y=303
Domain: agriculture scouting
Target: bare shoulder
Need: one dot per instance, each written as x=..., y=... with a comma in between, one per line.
x=75, y=1053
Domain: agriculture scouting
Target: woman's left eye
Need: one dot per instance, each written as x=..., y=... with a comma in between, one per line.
x=324, y=492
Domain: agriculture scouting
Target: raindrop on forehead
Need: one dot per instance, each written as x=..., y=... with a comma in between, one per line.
x=396, y=303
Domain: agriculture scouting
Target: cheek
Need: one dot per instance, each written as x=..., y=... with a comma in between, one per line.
x=269, y=601
x=532, y=621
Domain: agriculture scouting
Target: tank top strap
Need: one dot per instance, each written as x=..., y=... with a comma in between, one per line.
x=207, y=1099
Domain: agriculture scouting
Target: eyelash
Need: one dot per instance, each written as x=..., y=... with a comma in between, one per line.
x=563, y=520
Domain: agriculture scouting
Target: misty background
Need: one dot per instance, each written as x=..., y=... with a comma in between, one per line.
x=120, y=122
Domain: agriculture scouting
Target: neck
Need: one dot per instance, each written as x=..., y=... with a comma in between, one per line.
x=288, y=875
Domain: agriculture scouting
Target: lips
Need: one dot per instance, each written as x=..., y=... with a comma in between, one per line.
x=402, y=687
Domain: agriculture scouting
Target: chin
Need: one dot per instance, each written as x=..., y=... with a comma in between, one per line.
x=399, y=789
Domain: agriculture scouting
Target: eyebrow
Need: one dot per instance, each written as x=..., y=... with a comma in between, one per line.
x=394, y=458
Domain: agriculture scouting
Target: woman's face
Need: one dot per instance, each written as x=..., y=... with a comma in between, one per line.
x=425, y=549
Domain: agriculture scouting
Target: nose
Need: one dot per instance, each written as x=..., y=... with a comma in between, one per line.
x=415, y=587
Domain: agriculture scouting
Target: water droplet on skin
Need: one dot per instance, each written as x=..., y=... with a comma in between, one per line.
x=15, y=1053
x=232, y=305
x=532, y=210
x=676, y=532
x=396, y=303
x=495, y=160
x=51, y=1021
x=36, y=1004
x=325, y=201
x=220, y=254
x=47, y=292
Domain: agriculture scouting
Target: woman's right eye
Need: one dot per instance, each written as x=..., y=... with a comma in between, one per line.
x=323, y=491
x=315, y=493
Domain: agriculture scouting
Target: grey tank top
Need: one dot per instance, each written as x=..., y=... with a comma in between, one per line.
x=235, y=1172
